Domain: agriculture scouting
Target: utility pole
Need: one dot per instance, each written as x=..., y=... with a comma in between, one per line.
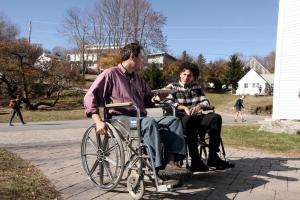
x=29, y=31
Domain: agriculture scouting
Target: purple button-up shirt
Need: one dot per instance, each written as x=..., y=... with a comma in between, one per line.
x=115, y=85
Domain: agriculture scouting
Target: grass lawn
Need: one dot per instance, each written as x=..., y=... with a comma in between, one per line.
x=20, y=180
x=44, y=115
x=70, y=107
x=225, y=102
x=248, y=136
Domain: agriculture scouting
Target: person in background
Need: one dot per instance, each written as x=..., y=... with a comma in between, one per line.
x=15, y=105
x=239, y=109
x=189, y=101
x=259, y=89
x=121, y=84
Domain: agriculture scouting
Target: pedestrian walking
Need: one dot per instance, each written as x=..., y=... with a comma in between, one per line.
x=15, y=105
x=239, y=109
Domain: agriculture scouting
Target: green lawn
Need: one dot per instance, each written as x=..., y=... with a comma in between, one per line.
x=248, y=136
x=225, y=102
x=45, y=115
x=70, y=107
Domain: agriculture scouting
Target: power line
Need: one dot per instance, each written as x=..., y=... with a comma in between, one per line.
x=177, y=27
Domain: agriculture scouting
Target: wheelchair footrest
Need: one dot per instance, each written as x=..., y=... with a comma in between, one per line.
x=169, y=185
x=164, y=188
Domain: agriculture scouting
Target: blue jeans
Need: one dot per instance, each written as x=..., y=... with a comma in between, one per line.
x=13, y=112
x=172, y=134
x=173, y=137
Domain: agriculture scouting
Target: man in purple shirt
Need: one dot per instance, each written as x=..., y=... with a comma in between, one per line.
x=122, y=84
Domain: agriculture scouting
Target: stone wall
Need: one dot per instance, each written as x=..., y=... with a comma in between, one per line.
x=280, y=126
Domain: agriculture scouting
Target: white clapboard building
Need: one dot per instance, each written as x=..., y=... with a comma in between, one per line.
x=286, y=101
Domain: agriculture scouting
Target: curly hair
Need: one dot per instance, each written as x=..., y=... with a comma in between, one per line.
x=189, y=66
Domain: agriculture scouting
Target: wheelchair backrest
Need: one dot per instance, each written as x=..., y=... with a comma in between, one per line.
x=126, y=126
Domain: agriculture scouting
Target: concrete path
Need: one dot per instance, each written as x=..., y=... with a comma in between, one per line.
x=57, y=153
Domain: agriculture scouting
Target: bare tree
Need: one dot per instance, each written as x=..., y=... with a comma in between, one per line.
x=115, y=23
x=105, y=29
x=145, y=25
x=268, y=61
x=8, y=31
x=76, y=29
x=34, y=84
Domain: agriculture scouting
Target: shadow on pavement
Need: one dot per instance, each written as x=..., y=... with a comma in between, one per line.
x=249, y=174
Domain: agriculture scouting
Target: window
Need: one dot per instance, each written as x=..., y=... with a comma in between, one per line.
x=245, y=85
x=253, y=85
x=257, y=85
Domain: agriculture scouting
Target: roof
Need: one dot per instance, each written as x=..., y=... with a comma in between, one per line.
x=268, y=77
x=161, y=54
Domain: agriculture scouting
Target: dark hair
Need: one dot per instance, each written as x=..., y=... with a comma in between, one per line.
x=189, y=66
x=133, y=49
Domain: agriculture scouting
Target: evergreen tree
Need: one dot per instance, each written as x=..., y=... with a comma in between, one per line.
x=186, y=57
x=234, y=71
x=201, y=61
x=154, y=76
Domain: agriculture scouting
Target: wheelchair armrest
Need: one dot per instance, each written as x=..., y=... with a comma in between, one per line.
x=165, y=106
x=209, y=108
x=162, y=105
x=119, y=105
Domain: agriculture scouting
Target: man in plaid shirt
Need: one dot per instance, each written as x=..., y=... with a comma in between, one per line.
x=189, y=101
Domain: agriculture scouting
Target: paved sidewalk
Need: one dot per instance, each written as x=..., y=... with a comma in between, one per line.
x=256, y=176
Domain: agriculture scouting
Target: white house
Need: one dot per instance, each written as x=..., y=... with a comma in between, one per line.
x=286, y=101
x=161, y=58
x=253, y=83
x=44, y=58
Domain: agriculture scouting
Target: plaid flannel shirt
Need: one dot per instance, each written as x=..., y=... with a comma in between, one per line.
x=189, y=96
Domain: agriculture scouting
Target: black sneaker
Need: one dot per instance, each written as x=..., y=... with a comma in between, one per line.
x=218, y=163
x=198, y=166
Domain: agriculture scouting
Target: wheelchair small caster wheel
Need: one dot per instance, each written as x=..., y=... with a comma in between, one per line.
x=135, y=186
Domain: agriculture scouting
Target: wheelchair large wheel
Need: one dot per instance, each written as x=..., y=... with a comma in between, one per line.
x=103, y=157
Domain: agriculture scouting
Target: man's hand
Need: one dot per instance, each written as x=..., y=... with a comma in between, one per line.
x=186, y=109
x=101, y=128
x=195, y=109
x=160, y=97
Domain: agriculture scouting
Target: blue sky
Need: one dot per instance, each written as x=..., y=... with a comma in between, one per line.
x=215, y=28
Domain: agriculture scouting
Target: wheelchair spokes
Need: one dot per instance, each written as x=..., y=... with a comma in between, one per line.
x=102, y=157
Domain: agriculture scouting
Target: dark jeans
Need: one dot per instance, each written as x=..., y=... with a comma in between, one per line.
x=200, y=124
x=13, y=112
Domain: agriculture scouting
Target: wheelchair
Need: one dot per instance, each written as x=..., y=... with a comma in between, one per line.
x=119, y=155
x=203, y=136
